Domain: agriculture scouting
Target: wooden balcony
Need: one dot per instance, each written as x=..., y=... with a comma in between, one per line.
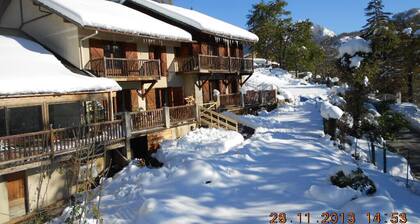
x=214, y=64
x=123, y=69
x=36, y=146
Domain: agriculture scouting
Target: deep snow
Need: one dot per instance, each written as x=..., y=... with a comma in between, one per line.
x=112, y=16
x=28, y=68
x=215, y=176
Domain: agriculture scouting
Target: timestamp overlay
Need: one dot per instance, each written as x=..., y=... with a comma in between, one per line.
x=338, y=217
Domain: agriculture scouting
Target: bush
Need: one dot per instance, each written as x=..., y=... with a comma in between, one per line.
x=391, y=123
x=356, y=180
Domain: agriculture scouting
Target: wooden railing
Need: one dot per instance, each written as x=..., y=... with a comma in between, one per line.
x=212, y=63
x=230, y=100
x=213, y=119
x=263, y=97
x=147, y=119
x=58, y=141
x=182, y=114
x=124, y=68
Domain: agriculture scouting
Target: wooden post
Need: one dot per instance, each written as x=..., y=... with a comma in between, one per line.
x=372, y=146
x=242, y=100
x=110, y=106
x=166, y=117
x=197, y=113
x=128, y=134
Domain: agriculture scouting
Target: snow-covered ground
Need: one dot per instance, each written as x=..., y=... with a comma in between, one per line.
x=215, y=176
x=283, y=81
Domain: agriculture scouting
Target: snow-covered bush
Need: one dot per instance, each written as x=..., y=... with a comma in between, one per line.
x=356, y=180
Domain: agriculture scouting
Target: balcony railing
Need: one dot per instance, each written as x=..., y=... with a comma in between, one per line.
x=263, y=97
x=125, y=68
x=182, y=114
x=209, y=63
x=230, y=99
x=32, y=146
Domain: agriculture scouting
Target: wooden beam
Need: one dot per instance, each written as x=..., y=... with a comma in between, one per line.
x=242, y=83
x=143, y=95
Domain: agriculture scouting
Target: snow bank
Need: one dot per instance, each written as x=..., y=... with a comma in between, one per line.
x=352, y=45
x=333, y=195
x=28, y=68
x=199, y=20
x=108, y=15
x=329, y=111
x=288, y=88
x=410, y=112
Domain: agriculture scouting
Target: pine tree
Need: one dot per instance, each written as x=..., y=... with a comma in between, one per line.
x=378, y=19
x=270, y=22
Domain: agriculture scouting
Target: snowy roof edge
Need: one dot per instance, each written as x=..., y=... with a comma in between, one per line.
x=57, y=12
x=202, y=30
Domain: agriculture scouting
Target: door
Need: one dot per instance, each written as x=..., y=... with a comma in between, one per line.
x=124, y=101
x=176, y=96
x=132, y=67
x=206, y=92
x=16, y=194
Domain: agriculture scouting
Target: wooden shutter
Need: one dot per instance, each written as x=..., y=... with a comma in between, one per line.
x=130, y=51
x=206, y=92
x=186, y=50
x=222, y=50
x=204, y=49
x=195, y=49
x=134, y=100
x=222, y=87
x=151, y=99
x=163, y=61
x=240, y=51
x=96, y=48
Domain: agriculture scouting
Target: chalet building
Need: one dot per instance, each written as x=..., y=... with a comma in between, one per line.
x=214, y=60
x=42, y=106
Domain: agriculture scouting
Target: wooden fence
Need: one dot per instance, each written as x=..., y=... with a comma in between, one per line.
x=230, y=100
x=263, y=97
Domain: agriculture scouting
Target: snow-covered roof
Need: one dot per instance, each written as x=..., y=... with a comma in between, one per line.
x=199, y=20
x=114, y=17
x=26, y=68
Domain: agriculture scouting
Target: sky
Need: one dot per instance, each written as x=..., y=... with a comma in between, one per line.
x=337, y=15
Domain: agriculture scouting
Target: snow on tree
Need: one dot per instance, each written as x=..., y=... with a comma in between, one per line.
x=378, y=19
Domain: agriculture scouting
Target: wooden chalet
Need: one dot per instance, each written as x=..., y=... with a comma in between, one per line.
x=215, y=60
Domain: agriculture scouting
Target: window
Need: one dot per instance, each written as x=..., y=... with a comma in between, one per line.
x=25, y=119
x=2, y=122
x=65, y=115
x=96, y=111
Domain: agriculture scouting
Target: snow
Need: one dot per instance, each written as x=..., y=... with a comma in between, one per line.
x=353, y=45
x=115, y=17
x=287, y=87
x=28, y=68
x=215, y=176
x=199, y=21
x=408, y=31
x=356, y=61
x=321, y=33
x=417, y=33
x=329, y=111
x=410, y=112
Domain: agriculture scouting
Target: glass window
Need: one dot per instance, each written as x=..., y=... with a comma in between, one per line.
x=25, y=119
x=96, y=111
x=2, y=122
x=65, y=115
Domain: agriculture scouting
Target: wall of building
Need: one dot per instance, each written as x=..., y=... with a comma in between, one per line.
x=52, y=31
x=190, y=87
x=4, y=201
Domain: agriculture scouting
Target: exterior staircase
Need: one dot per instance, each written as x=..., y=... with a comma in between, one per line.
x=212, y=119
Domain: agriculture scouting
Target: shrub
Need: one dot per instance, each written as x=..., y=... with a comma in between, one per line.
x=390, y=123
x=357, y=180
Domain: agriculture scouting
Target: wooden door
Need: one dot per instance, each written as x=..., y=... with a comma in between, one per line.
x=151, y=100
x=163, y=61
x=204, y=49
x=96, y=50
x=16, y=194
x=186, y=50
x=222, y=50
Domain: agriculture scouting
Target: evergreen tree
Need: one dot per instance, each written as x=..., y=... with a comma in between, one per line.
x=378, y=19
x=270, y=22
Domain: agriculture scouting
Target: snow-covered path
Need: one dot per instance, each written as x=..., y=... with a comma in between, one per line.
x=215, y=176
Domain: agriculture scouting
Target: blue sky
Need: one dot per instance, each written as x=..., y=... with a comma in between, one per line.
x=337, y=15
